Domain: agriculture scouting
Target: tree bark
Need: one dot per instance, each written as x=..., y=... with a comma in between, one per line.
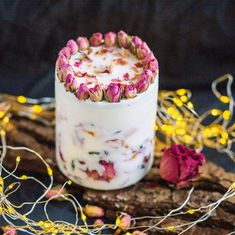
x=151, y=196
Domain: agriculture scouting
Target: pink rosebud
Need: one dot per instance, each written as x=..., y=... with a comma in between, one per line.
x=62, y=59
x=64, y=70
x=142, y=51
x=110, y=39
x=66, y=51
x=113, y=93
x=150, y=56
x=8, y=230
x=143, y=83
x=73, y=85
x=148, y=74
x=83, y=43
x=138, y=233
x=137, y=41
x=152, y=66
x=98, y=223
x=96, y=93
x=96, y=39
x=93, y=211
x=130, y=91
x=179, y=165
x=83, y=92
x=124, y=222
x=72, y=45
x=123, y=39
x=68, y=81
x=56, y=192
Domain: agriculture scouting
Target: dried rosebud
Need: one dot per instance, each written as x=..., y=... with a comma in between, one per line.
x=152, y=66
x=179, y=165
x=138, y=233
x=64, y=70
x=9, y=230
x=124, y=222
x=62, y=59
x=98, y=223
x=96, y=93
x=68, y=81
x=72, y=45
x=56, y=192
x=73, y=85
x=123, y=39
x=137, y=41
x=130, y=91
x=143, y=83
x=142, y=51
x=83, y=92
x=93, y=211
x=148, y=74
x=150, y=56
x=110, y=39
x=66, y=51
x=83, y=43
x=96, y=39
x=113, y=93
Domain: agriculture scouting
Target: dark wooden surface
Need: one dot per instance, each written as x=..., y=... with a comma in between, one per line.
x=151, y=196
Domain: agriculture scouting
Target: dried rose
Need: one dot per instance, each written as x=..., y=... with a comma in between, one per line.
x=96, y=93
x=150, y=56
x=123, y=39
x=62, y=59
x=124, y=222
x=152, y=66
x=113, y=93
x=83, y=43
x=93, y=211
x=110, y=39
x=98, y=223
x=96, y=39
x=66, y=51
x=137, y=41
x=143, y=83
x=142, y=51
x=68, y=81
x=72, y=45
x=9, y=230
x=130, y=91
x=83, y=92
x=56, y=191
x=179, y=165
x=73, y=85
x=64, y=70
x=138, y=233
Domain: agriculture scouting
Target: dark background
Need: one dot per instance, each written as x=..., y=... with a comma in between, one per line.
x=193, y=40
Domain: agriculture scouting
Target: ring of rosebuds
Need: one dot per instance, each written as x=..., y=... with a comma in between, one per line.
x=114, y=92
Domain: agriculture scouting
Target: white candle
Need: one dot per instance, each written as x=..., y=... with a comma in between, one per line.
x=105, y=145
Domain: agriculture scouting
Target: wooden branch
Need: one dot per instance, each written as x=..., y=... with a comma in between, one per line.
x=151, y=196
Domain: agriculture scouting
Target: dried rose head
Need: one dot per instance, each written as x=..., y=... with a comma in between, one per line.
x=113, y=92
x=72, y=45
x=82, y=92
x=179, y=165
x=110, y=39
x=83, y=43
x=96, y=93
x=96, y=39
